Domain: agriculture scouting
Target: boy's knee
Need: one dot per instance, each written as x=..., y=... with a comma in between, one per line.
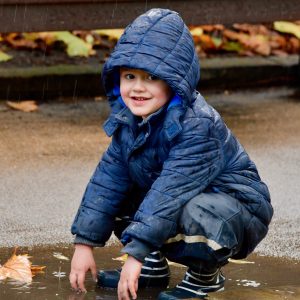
x=215, y=216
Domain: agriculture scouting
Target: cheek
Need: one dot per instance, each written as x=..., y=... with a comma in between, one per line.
x=123, y=89
x=164, y=93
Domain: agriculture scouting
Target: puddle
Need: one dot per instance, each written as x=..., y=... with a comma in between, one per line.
x=265, y=279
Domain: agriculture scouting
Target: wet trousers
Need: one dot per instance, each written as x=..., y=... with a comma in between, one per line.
x=210, y=230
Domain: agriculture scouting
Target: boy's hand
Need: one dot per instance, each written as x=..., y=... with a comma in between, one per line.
x=128, y=283
x=82, y=261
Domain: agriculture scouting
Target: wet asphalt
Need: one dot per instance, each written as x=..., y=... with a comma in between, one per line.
x=47, y=158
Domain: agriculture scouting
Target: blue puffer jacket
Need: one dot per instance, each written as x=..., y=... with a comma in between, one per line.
x=180, y=151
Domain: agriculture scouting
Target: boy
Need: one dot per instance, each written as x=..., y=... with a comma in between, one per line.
x=174, y=182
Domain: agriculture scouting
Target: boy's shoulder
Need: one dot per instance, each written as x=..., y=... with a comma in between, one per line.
x=201, y=110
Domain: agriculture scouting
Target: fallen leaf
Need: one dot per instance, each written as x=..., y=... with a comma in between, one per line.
x=207, y=42
x=114, y=34
x=121, y=258
x=217, y=41
x=213, y=27
x=294, y=45
x=259, y=44
x=17, y=41
x=279, y=53
x=196, y=31
x=232, y=46
x=37, y=269
x=75, y=45
x=18, y=267
x=252, y=29
x=58, y=255
x=277, y=41
x=288, y=27
x=240, y=261
x=26, y=106
x=232, y=35
x=4, y=56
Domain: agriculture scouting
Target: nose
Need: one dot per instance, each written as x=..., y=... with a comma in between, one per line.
x=139, y=85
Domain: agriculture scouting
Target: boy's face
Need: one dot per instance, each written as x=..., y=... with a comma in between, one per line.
x=143, y=93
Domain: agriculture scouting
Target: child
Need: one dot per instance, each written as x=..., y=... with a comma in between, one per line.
x=174, y=182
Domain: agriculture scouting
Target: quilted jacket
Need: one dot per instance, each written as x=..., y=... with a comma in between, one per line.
x=175, y=154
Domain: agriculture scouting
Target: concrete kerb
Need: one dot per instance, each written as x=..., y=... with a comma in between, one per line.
x=47, y=82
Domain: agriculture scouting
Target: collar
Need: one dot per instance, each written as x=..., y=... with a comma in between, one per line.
x=169, y=116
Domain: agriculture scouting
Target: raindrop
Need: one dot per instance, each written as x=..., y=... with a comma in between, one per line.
x=113, y=12
x=16, y=10
x=74, y=91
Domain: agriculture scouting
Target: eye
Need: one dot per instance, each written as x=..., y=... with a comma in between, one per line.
x=129, y=76
x=153, y=77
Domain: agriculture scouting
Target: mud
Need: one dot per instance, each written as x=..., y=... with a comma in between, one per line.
x=262, y=278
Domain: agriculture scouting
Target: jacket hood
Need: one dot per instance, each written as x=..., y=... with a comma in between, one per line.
x=159, y=43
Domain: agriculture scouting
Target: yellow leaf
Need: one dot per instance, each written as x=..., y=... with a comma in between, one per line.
x=240, y=261
x=75, y=45
x=196, y=31
x=113, y=34
x=4, y=56
x=288, y=27
x=121, y=258
x=25, y=106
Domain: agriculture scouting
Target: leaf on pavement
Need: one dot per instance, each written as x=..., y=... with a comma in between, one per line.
x=25, y=106
x=252, y=29
x=259, y=44
x=240, y=261
x=232, y=47
x=196, y=31
x=113, y=34
x=18, y=267
x=121, y=258
x=213, y=27
x=75, y=45
x=37, y=269
x=4, y=56
x=288, y=27
x=294, y=45
x=17, y=40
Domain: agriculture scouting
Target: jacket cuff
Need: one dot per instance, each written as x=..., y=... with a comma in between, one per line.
x=138, y=249
x=81, y=240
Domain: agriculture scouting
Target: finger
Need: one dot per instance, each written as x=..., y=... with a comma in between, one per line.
x=80, y=281
x=73, y=280
x=94, y=273
x=123, y=291
x=131, y=287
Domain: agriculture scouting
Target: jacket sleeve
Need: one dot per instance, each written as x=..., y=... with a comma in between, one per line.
x=194, y=161
x=102, y=199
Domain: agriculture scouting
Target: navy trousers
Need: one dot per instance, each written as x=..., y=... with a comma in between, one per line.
x=205, y=237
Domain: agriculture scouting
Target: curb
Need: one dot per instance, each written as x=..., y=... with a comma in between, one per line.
x=48, y=82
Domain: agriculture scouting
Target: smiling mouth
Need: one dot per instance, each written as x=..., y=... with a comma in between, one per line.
x=140, y=98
